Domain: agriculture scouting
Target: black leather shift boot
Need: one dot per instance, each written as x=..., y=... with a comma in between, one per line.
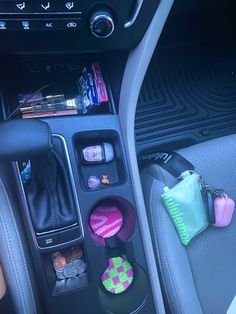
x=49, y=196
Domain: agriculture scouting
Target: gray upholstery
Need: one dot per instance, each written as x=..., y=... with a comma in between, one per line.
x=15, y=259
x=199, y=278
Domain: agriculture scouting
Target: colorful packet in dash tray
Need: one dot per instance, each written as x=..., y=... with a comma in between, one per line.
x=92, y=88
x=87, y=88
x=100, y=84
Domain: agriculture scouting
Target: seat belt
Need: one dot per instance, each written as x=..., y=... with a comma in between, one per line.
x=172, y=162
x=176, y=164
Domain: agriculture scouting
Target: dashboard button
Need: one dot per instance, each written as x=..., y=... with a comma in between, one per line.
x=48, y=240
x=49, y=25
x=69, y=24
x=56, y=24
x=3, y=25
x=25, y=24
x=70, y=6
x=102, y=24
x=45, y=7
x=9, y=25
x=46, y=25
x=16, y=7
x=21, y=6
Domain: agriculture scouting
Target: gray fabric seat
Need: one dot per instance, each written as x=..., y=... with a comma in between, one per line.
x=199, y=278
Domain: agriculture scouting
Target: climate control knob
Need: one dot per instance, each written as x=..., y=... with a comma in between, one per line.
x=102, y=24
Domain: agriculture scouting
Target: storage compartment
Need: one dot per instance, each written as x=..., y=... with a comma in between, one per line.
x=112, y=220
x=132, y=299
x=52, y=87
x=109, y=173
x=66, y=270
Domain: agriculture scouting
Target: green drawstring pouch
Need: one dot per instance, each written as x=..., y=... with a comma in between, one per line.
x=185, y=206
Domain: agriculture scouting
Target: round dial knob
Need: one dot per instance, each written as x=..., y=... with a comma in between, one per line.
x=102, y=24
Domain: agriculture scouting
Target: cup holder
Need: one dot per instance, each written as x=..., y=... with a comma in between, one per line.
x=111, y=219
x=131, y=285
x=123, y=287
x=118, y=276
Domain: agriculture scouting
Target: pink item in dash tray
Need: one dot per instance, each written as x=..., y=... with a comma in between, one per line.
x=100, y=84
x=106, y=221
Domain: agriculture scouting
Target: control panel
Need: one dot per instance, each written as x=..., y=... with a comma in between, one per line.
x=42, y=26
x=40, y=15
x=49, y=15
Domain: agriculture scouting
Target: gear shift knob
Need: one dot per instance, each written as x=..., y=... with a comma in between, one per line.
x=24, y=139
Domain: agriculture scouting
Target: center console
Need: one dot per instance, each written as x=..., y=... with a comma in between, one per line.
x=82, y=218
x=77, y=199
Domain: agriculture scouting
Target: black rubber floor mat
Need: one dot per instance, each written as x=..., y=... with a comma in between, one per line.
x=188, y=96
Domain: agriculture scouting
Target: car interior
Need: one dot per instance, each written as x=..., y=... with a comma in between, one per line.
x=117, y=157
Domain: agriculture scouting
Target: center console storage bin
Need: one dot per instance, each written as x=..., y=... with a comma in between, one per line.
x=53, y=83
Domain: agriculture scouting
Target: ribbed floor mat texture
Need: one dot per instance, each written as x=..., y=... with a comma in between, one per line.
x=188, y=96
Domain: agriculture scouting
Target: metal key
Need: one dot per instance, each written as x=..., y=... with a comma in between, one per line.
x=214, y=191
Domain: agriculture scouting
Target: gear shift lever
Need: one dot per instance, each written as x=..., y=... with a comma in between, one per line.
x=24, y=139
x=48, y=192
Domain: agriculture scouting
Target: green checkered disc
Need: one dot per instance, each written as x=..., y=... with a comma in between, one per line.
x=118, y=276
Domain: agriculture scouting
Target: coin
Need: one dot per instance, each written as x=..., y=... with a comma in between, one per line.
x=77, y=252
x=60, y=275
x=68, y=256
x=59, y=262
x=70, y=270
x=56, y=254
x=80, y=265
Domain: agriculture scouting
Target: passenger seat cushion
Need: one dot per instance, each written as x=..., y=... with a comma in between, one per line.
x=202, y=276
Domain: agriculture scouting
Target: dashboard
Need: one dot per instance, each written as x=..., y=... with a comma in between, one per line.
x=73, y=26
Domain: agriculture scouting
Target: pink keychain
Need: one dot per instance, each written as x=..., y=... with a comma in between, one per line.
x=224, y=209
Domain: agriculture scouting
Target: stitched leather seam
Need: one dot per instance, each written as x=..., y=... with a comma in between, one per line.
x=50, y=193
x=159, y=258
x=13, y=263
x=53, y=199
